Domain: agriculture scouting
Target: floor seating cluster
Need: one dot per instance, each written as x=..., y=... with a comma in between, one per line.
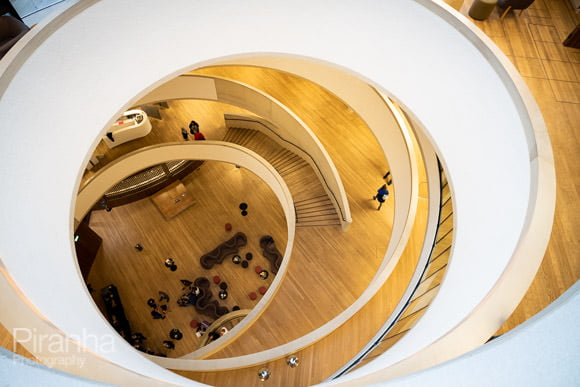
x=116, y=316
x=232, y=245
x=196, y=293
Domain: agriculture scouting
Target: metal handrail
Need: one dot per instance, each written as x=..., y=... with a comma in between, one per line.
x=363, y=354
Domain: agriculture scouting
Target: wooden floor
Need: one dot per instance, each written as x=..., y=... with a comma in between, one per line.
x=306, y=299
x=208, y=114
x=532, y=41
x=218, y=189
x=312, y=204
x=558, y=96
x=329, y=268
x=552, y=72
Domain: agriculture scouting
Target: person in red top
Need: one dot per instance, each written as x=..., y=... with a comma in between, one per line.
x=198, y=136
x=193, y=127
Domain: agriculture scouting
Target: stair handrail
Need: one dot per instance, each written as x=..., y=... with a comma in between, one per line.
x=389, y=326
x=262, y=123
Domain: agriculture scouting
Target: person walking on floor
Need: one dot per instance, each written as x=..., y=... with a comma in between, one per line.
x=382, y=195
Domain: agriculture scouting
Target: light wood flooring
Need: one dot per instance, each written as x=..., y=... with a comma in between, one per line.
x=558, y=96
x=218, y=189
x=318, y=252
x=329, y=268
x=532, y=42
x=208, y=114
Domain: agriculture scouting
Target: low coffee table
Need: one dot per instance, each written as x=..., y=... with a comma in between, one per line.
x=173, y=200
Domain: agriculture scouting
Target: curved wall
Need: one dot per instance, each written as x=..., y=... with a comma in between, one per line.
x=200, y=150
x=542, y=351
x=79, y=58
x=287, y=125
x=392, y=135
x=55, y=347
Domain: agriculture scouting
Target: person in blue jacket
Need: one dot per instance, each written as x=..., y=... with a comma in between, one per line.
x=382, y=195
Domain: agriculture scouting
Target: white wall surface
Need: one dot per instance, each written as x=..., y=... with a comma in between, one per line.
x=287, y=124
x=543, y=351
x=68, y=82
x=372, y=108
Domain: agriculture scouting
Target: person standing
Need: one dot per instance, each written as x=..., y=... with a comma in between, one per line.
x=163, y=296
x=175, y=334
x=156, y=315
x=184, y=134
x=198, y=136
x=382, y=195
x=193, y=127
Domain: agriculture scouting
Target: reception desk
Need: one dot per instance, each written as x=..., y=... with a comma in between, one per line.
x=131, y=125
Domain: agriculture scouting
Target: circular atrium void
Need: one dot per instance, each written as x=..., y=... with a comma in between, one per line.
x=76, y=59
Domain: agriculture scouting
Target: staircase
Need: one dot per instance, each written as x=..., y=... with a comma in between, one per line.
x=312, y=204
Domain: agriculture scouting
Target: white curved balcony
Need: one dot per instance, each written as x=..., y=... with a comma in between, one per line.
x=492, y=263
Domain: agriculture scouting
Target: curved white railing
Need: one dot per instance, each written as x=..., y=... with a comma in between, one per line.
x=68, y=82
x=433, y=179
x=391, y=133
x=442, y=334
x=258, y=124
x=55, y=348
x=542, y=351
x=199, y=150
x=287, y=124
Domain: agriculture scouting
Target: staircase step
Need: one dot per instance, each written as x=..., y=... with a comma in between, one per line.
x=312, y=199
x=290, y=160
x=312, y=205
x=317, y=220
x=240, y=134
x=316, y=212
x=324, y=203
x=243, y=139
x=279, y=157
x=287, y=158
x=292, y=169
x=231, y=135
x=318, y=223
